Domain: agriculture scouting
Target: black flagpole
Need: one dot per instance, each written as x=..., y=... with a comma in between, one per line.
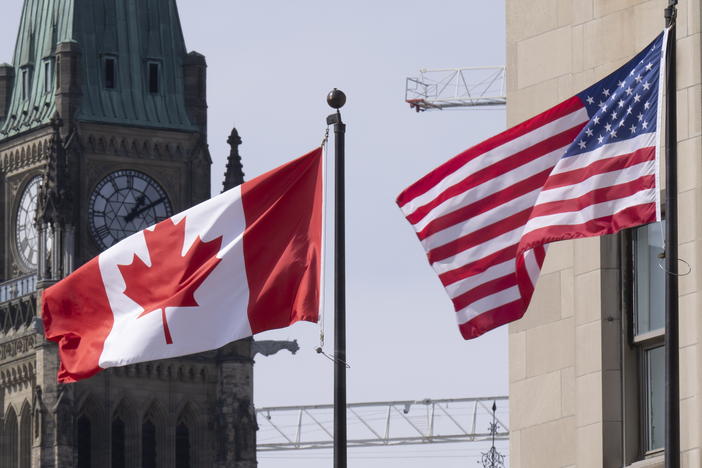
x=672, y=388
x=336, y=99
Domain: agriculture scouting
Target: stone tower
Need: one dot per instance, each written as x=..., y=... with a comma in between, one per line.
x=103, y=131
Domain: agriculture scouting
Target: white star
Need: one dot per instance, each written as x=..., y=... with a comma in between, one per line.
x=632, y=129
x=647, y=105
x=621, y=103
x=604, y=107
x=649, y=66
x=640, y=116
x=621, y=123
x=605, y=92
x=608, y=127
x=613, y=133
x=614, y=115
x=621, y=84
x=588, y=132
x=601, y=104
x=644, y=124
x=600, y=139
x=646, y=85
x=596, y=119
x=590, y=100
x=614, y=95
x=629, y=91
x=581, y=144
x=628, y=111
x=637, y=98
x=638, y=78
x=632, y=72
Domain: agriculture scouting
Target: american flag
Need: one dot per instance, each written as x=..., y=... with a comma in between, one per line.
x=586, y=167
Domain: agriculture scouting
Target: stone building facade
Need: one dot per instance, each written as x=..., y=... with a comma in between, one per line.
x=585, y=362
x=103, y=131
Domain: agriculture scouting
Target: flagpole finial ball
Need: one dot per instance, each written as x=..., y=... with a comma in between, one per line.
x=336, y=99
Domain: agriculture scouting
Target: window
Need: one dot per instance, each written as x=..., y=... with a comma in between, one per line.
x=109, y=66
x=24, y=74
x=118, y=443
x=47, y=76
x=9, y=453
x=153, y=77
x=25, y=438
x=148, y=444
x=648, y=332
x=84, y=437
x=182, y=446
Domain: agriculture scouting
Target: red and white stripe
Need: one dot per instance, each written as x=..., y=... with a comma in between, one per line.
x=485, y=216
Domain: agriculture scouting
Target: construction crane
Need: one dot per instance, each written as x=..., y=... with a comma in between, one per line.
x=448, y=88
x=388, y=423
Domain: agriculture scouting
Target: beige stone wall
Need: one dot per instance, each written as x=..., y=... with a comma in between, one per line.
x=564, y=389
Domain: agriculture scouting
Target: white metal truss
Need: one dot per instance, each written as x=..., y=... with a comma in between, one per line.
x=385, y=423
x=447, y=88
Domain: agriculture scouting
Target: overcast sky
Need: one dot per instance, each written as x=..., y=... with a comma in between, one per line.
x=270, y=66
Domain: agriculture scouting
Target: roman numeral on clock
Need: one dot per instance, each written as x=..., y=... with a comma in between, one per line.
x=102, y=231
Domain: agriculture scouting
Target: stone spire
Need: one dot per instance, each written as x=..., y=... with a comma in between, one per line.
x=234, y=174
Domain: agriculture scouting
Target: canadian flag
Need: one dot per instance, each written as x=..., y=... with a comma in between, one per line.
x=240, y=263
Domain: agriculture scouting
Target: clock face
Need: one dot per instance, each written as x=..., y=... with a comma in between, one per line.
x=123, y=203
x=26, y=238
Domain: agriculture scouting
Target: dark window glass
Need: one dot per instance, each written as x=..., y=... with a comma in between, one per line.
x=25, y=84
x=148, y=445
x=47, y=76
x=118, y=456
x=25, y=438
x=182, y=446
x=110, y=72
x=655, y=391
x=84, y=442
x=10, y=440
x=153, y=77
x=649, y=284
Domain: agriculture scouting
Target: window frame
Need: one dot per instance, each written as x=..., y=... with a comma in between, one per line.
x=26, y=82
x=47, y=68
x=154, y=64
x=115, y=72
x=634, y=365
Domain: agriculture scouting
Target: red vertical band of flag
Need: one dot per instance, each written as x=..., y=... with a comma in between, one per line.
x=283, y=244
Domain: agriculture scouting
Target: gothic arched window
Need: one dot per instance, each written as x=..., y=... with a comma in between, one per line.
x=9, y=455
x=118, y=443
x=84, y=439
x=182, y=437
x=25, y=438
x=148, y=444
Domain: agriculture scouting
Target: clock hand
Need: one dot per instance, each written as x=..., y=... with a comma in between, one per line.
x=134, y=214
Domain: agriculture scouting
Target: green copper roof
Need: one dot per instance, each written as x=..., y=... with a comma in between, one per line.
x=133, y=33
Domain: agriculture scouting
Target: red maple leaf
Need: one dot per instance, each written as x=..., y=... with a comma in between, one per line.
x=172, y=279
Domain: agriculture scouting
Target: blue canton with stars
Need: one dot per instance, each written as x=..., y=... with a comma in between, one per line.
x=624, y=104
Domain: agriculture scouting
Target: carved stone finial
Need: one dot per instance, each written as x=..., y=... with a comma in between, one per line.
x=234, y=174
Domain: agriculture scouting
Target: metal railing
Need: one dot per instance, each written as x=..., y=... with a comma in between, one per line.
x=18, y=287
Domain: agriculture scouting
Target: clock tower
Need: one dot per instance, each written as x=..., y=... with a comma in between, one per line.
x=103, y=132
